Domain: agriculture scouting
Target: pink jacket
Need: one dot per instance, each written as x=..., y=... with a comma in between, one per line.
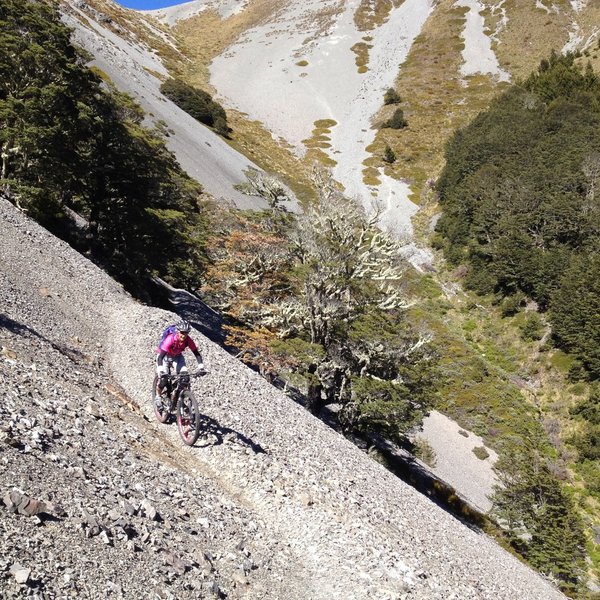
x=174, y=347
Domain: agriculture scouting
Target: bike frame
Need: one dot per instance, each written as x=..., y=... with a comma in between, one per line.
x=176, y=383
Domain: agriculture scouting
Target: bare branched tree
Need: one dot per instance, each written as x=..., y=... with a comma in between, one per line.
x=269, y=187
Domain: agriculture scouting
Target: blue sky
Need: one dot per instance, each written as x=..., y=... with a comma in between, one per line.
x=148, y=4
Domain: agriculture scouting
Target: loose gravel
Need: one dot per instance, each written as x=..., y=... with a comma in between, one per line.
x=270, y=504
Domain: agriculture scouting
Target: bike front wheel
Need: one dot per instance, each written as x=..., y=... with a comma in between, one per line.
x=188, y=418
x=161, y=409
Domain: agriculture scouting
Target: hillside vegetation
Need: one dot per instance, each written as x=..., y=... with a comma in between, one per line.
x=318, y=299
x=520, y=209
x=71, y=143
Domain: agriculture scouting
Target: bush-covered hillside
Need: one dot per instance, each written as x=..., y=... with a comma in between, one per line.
x=521, y=210
x=197, y=103
x=521, y=205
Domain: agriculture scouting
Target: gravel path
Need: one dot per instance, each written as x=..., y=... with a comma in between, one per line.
x=318, y=518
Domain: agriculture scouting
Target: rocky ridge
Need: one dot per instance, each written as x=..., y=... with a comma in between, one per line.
x=98, y=500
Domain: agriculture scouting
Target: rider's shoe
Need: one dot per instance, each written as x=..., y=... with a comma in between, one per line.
x=158, y=401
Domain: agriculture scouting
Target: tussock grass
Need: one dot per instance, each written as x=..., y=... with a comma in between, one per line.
x=361, y=49
x=530, y=35
x=373, y=13
x=319, y=141
x=370, y=175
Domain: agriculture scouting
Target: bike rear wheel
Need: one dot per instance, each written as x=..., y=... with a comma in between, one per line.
x=161, y=411
x=188, y=418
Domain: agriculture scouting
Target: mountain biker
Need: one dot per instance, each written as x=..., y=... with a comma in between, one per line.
x=173, y=346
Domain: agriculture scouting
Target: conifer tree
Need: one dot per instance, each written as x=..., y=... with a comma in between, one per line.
x=539, y=518
x=389, y=156
x=67, y=144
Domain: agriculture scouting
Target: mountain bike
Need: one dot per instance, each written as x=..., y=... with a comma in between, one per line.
x=177, y=399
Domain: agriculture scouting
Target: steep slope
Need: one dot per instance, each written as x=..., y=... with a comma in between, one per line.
x=137, y=69
x=272, y=505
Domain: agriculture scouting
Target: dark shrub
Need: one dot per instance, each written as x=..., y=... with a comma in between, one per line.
x=397, y=121
x=391, y=97
x=389, y=156
x=197, y=103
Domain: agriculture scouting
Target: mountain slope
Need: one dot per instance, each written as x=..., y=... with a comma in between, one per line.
x=315, y=517
x=314, y=73
x=134, y=67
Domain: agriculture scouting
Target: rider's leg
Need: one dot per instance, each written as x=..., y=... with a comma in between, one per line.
x=162, y=378
x=180, y=366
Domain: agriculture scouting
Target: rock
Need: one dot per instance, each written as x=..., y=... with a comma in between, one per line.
x=147, y=510
x=24, y=505
x=20, y=573
x=239, y=578
x=178, y=565
x=93, y=409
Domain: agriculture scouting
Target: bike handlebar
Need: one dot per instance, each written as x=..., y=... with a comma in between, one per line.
x=198, y=373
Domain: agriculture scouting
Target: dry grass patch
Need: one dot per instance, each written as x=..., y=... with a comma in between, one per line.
x=361, y=49
x=134, y=27
x=588, y=20
x=529, y=35
x=320, y=136
x=371, y=176
x=371, y=14
x=154, y=73
x=319, y=141
x=252, y=140
x=436, y=100
x=316, y=155
x=323, y=19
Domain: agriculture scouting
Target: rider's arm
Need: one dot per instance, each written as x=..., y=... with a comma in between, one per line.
x=160, y=357
x=192, y=346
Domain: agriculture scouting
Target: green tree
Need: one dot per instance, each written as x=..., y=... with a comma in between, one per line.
x=333, y=305
x=68, y=144
x=532, y=328
x=589, y=409
x=45, y=98
x=197, y=103
x=539, y=518
x=575, y=311
x=519, y=198
x=391, y=96
x=396, y=121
